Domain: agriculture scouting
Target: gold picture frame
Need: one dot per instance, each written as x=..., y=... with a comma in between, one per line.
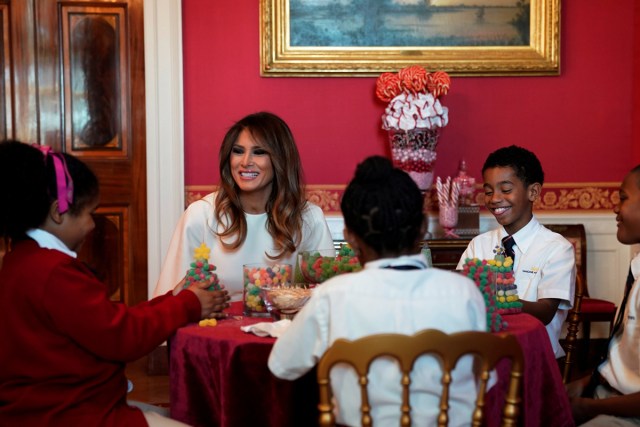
x=278, y=58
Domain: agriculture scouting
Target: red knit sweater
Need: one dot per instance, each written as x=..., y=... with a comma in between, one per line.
x=64, y=344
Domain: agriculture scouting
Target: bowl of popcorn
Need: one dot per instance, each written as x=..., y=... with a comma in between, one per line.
x=321, y=264
x=257, y=276
x=284, y=301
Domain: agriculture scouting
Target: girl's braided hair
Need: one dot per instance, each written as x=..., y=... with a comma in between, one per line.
x=384, y=207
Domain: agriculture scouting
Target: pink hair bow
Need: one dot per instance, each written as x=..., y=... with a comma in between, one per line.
x=64, y=183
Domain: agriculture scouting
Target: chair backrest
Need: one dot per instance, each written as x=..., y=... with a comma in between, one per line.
x=489, y=349
x=576, y=234
x=573, y=320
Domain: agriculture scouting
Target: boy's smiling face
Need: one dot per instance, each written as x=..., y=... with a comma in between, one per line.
x=628, y=210
x=506, y=196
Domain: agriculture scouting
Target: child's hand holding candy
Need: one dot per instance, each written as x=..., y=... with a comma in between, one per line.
x=212, y=302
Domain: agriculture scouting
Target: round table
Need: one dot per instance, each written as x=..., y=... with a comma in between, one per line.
x=219, y=377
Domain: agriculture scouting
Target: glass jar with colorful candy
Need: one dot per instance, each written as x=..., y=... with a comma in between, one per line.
x=319, y=265
x=255, y=276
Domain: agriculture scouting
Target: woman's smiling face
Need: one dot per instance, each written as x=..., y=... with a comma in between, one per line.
x=251, y=166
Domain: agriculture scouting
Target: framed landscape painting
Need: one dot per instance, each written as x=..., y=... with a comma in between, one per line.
x=368, y=37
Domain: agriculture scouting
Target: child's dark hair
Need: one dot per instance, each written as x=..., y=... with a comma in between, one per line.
x=525, y=164
x=28, y=187
x=383, y=206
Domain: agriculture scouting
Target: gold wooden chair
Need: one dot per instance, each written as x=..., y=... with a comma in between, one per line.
x=573, y=320
x=406, y=349
x=592, y=309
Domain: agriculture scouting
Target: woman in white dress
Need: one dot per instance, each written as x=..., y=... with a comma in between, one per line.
x=259, y=213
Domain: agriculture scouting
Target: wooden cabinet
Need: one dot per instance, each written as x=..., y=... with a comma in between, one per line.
x=74, y=80
x=445, y=253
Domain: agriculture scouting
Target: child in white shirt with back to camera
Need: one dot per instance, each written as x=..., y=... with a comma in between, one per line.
x=394, y=293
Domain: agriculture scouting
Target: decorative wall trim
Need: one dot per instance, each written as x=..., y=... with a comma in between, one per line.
x=556, y=197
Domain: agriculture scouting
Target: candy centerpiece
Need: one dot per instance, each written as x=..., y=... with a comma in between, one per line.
x=201, y=270
x=507, y=299
x=496, y=281
x=322, y=264
x=480, y=272
x=413, y=118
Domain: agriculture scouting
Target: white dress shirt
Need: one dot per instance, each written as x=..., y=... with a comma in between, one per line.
x=622, y=367
x=545, y=267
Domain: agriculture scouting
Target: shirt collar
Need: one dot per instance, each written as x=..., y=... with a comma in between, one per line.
x=524, y=237
x=46, y=240
x=417, y=260
x=635, y=266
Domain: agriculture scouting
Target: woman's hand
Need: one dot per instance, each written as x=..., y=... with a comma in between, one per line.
x=212, y=302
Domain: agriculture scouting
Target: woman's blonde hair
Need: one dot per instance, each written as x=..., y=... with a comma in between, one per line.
x=287, y=200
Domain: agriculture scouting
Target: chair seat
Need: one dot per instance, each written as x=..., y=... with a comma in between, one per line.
x=594, y=305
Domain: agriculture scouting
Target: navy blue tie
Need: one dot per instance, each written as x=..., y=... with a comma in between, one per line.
x=507, y=244
x=623, y=305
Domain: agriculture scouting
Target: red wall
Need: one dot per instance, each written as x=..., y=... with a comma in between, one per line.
x=581, y=124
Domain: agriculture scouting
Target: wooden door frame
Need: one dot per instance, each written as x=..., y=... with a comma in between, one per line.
x=165, y=128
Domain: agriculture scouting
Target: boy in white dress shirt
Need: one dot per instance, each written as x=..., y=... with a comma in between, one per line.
x=544, y=261
x=614, y=399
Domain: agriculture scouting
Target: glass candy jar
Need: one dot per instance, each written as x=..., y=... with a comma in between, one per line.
x=466, y=184
x=414, y=151
x=256, y=276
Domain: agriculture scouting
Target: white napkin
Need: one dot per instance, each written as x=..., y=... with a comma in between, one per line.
x=264, y=329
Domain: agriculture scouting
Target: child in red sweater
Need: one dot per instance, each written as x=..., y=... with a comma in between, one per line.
x=65, y=344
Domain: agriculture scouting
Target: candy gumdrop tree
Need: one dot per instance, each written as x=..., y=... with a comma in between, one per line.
x=201, y=270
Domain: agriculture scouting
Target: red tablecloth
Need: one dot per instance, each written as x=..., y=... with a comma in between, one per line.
x=544, y=400
x=219, y=377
